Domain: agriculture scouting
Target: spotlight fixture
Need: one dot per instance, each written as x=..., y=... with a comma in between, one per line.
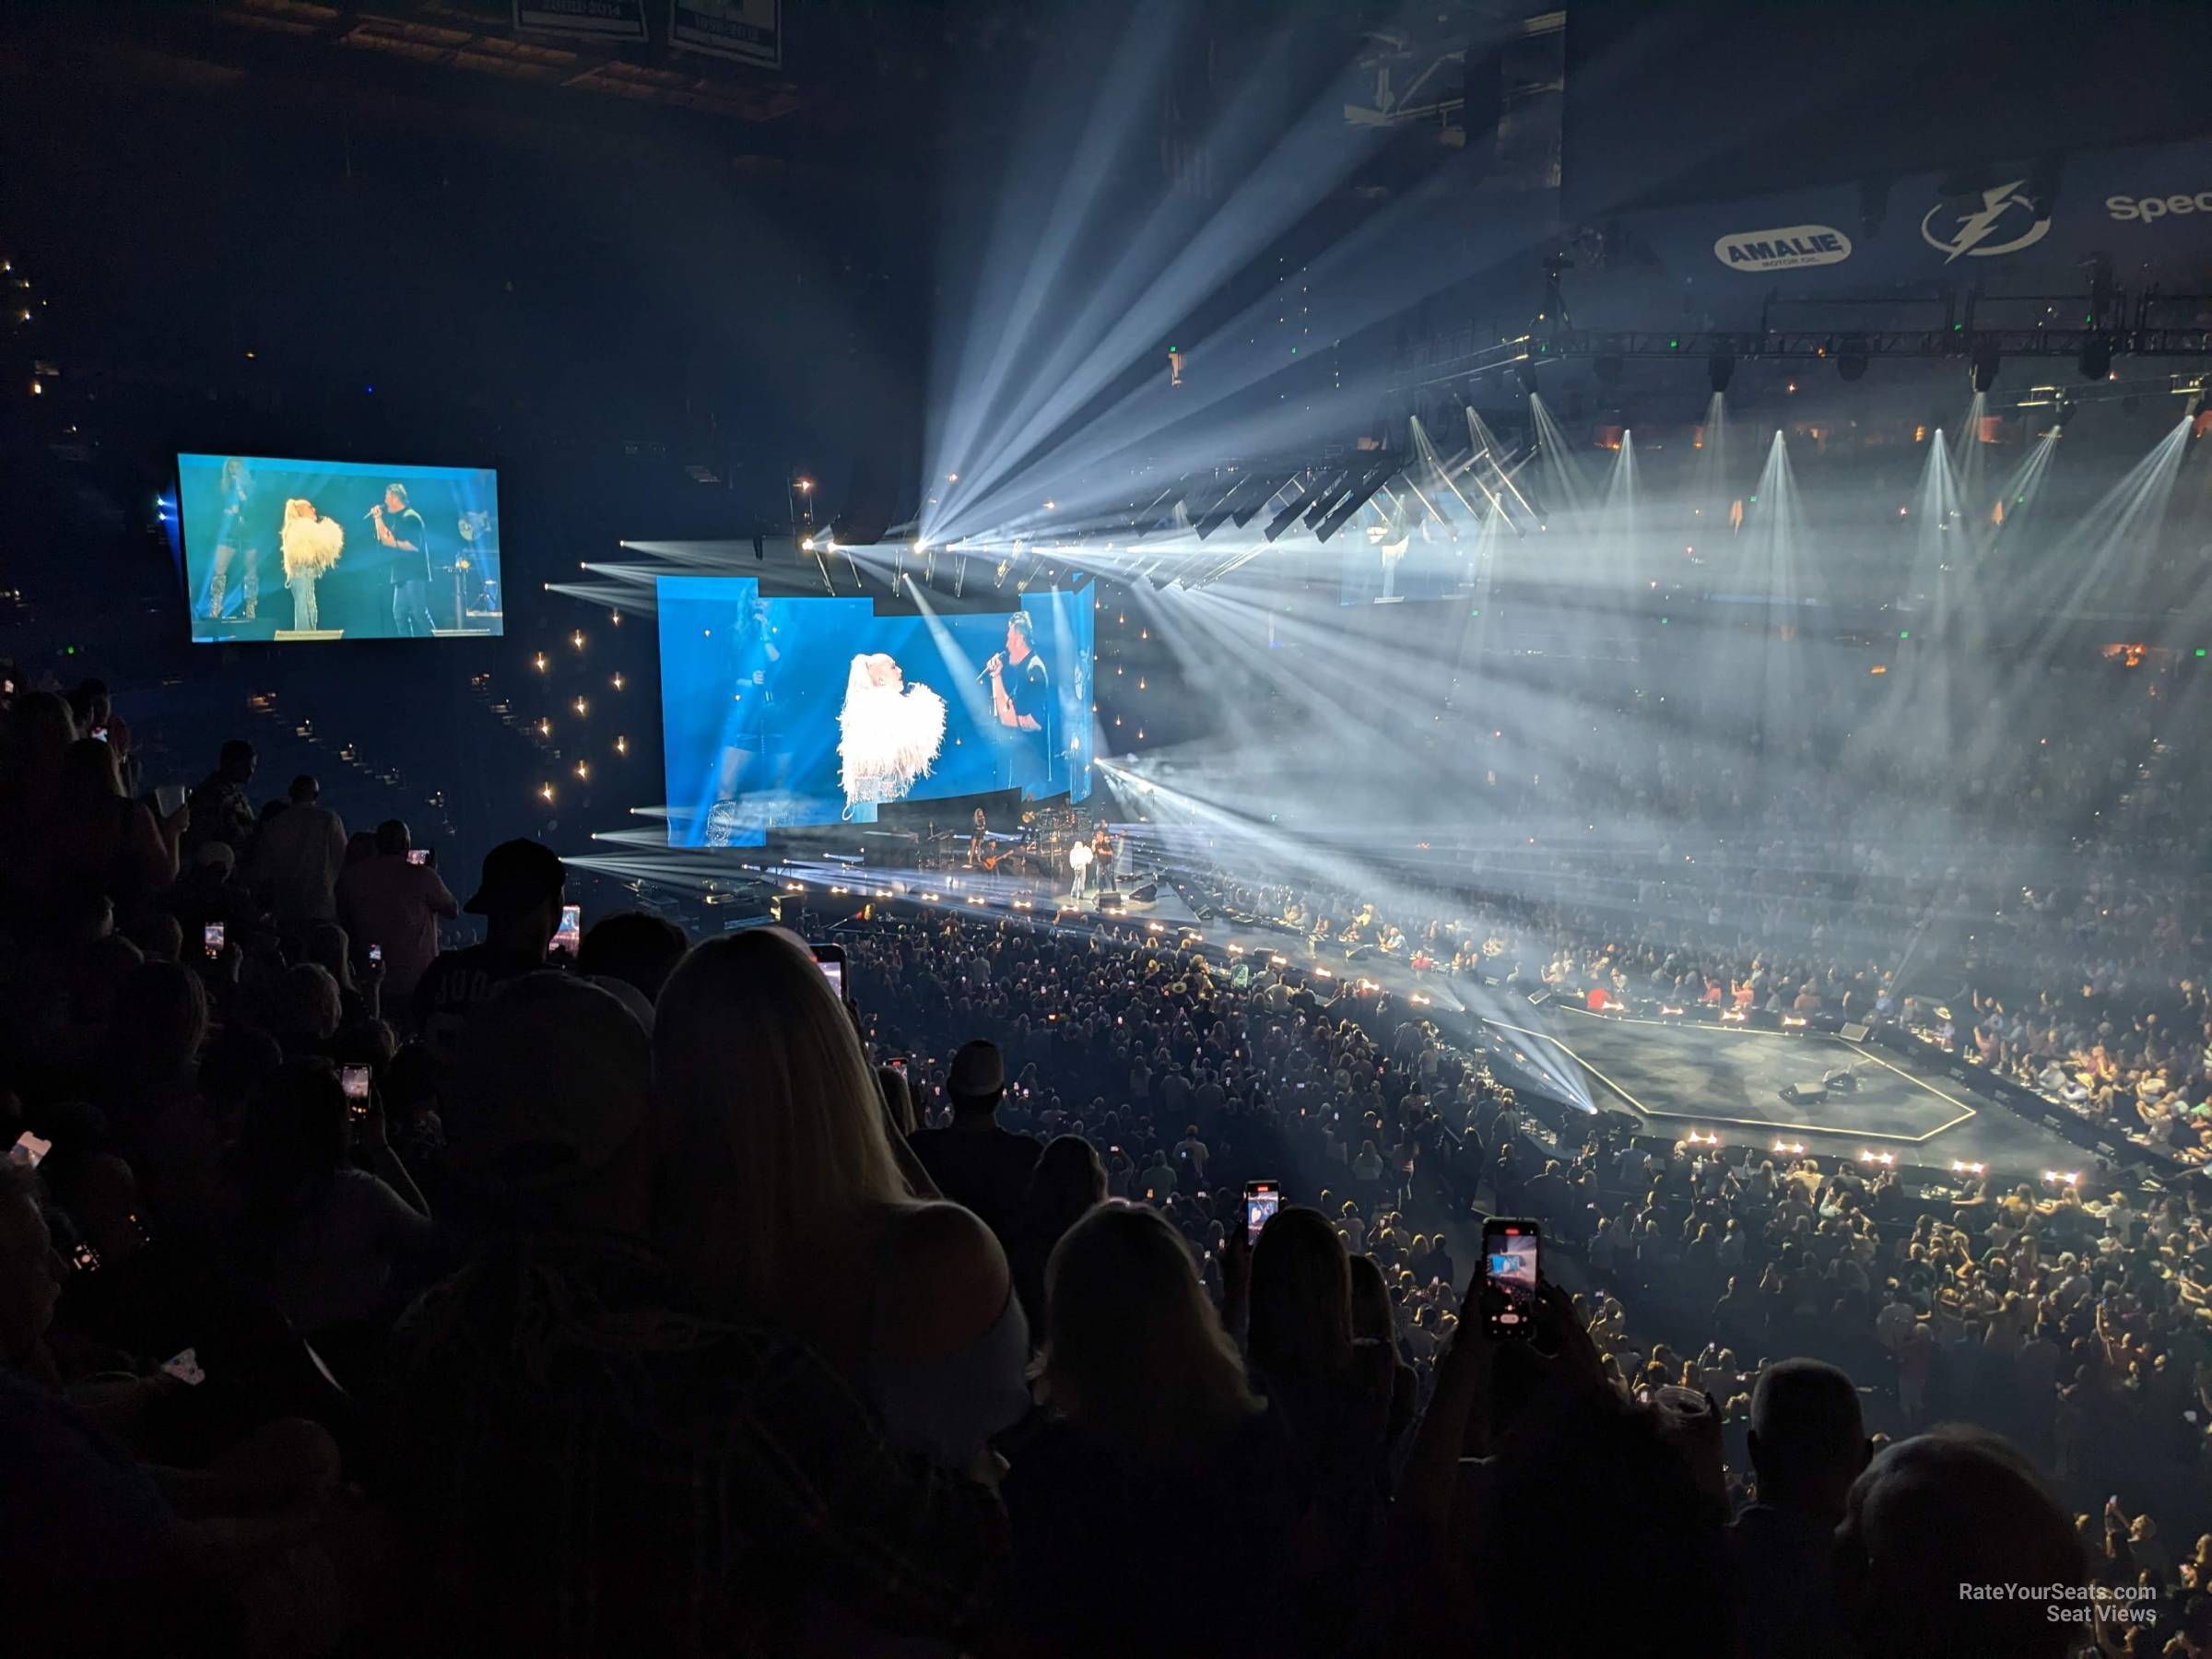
x=1984, y=369
x=1527, y=373
x=2097, y=356
x=1720, y=369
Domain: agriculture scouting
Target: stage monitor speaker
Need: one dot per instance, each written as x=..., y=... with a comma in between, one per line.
x=1853, y=1033
x=1146, y=894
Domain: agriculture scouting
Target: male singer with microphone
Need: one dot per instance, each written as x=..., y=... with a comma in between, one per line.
x=1022, y=702
x=399, y=527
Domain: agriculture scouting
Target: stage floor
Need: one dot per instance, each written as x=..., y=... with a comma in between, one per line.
x=1672, y=1077
x=1721, y=1081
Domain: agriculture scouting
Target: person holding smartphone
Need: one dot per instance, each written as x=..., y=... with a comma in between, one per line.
x=398, y=902
x=319, y=1235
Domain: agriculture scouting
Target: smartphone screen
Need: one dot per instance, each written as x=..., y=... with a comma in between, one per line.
x=85, y=1258
x=354, y=1080
x=167, y=799
x=185, y=1368
x=376, y=953
x=28, y=1149
x=570, y=936
x=211, y=937
x=1511, y=1259
x=1262, y=1199
x=831, y=958
x=899, y=1066
x=418, y=856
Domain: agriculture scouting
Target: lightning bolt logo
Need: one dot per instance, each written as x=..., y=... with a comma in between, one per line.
x=1975, y=228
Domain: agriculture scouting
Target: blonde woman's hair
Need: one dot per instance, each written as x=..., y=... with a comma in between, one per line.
x=1134, y=1350
x=773, y=1112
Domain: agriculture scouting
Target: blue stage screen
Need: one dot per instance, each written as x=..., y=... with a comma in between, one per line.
x=792, y=711
x=321, y=550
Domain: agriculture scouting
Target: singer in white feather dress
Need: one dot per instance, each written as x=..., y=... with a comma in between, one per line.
x=888, y=731
x=311, y=546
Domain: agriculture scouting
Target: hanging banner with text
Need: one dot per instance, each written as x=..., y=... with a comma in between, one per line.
x=2143, y=213
x=749, y=30
x=600, y=20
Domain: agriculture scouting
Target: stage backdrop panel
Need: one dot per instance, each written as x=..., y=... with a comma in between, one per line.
x=317, y=550
x=793, y=712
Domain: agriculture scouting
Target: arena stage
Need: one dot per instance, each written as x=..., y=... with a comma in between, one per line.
x=1679, y=1077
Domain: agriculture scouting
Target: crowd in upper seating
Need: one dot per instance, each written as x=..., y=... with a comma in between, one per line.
x=366, y=1292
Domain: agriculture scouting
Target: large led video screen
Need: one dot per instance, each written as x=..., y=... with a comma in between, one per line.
x=320, y=550
x=781, y=712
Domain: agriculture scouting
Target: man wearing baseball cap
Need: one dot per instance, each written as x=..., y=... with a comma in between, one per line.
x=519, y=898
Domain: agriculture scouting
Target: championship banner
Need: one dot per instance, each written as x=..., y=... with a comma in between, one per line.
x=600, y=20
x=2025, y=227
x=749, y=30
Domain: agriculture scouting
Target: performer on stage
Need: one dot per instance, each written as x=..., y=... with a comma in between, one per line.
x=1103, y=855
x=311, y=546
x=1022, y=700
x=978, y=840
x=400, y=528
x=1079, y=861
x=890, y=732
x=235, y=544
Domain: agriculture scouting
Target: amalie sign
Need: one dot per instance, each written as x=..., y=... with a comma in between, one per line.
x=1783, y=250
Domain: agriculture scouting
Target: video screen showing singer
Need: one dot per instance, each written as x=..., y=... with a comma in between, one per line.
x=368, y=551
x=1021, y=702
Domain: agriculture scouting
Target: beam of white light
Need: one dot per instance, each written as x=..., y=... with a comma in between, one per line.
x=1172, y=270
x=2100, y=568
x=1037, y=455
x=1561, y=467
x=1012, y=320
x=608, y=595
x=1188, y=824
